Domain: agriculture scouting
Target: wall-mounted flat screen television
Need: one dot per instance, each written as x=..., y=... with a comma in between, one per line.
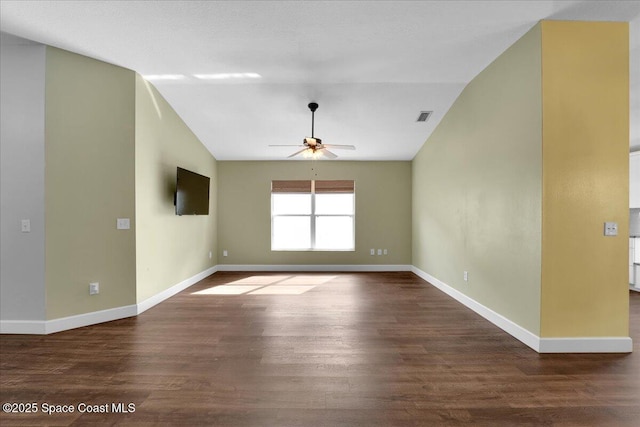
x=192, y=193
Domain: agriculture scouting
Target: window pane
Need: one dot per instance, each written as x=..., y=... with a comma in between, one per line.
x=291, y=204
x=291, y=232
x=334, y=204
x=334, y=232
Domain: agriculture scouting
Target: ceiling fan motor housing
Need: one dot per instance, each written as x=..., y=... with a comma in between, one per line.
x=312, y=142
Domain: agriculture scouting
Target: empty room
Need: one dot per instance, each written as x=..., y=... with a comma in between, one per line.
x=320, y=213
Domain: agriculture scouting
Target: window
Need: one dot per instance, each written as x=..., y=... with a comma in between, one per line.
x=312, y=215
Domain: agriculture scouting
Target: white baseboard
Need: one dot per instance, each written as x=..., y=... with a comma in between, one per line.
x=500, y=321
x=168, y=293
x=586, y=345
x=86, y=319
x=314, y=267
x=42, y=327
x=541, y=345
x=30, y=327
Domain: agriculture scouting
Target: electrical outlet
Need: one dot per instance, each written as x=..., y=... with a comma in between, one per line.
x=94, y=288
x=466, y=276
x=225, y=253
x=26, y=226
x=123, y=224
x=610, y=228
x=373, y=251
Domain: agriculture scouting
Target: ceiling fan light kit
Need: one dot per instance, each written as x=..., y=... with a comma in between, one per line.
x=313, y=147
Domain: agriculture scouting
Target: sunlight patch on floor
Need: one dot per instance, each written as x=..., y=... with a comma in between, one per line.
x=282, y=290
x=226, y=290
x=268, y=285
x=259, y=280
x=306, y=280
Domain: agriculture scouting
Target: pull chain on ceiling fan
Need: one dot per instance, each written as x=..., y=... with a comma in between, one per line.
x=312, y=146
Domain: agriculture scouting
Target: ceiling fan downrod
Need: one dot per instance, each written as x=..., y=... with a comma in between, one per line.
x=313, y=106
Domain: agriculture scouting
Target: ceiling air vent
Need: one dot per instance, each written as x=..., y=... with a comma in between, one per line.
x=424, y=116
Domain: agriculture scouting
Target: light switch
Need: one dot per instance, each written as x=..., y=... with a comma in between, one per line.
x=94, y=288
x=610, y=228
x=123, y=224
x=26, y=226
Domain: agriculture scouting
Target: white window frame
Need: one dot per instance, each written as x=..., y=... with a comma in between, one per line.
x=312, y=227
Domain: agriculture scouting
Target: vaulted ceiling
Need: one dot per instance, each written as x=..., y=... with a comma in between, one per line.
x=372, y=66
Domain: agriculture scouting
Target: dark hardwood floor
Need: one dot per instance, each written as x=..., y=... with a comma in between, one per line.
x=362, y=349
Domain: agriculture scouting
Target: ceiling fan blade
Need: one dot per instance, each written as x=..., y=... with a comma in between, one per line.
x=328, y=154
x=298, y=152
x=340, y=147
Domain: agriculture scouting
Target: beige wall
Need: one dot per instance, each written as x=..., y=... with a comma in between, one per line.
x=477, y=188
x=89, y=175
x=383, y=211
x=585, y=80
x=169, y=248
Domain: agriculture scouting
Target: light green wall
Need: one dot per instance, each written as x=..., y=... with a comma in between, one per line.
x=383, y=211
x=477, y=188
x=89, y=174
x=169, y=248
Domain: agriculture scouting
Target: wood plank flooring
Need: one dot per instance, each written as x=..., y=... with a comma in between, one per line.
x=361, y=349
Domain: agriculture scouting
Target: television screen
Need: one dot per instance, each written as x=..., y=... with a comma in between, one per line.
x=192, y=193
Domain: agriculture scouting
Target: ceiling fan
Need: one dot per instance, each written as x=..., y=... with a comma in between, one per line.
x=313, y=147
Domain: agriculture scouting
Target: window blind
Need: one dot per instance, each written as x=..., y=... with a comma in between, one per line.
x=336, y=186
x=291, y=186
x=326, y=186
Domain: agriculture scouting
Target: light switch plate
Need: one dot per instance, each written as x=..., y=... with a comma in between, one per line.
x=94, y=288
x=26, y=226
x=123, y=224
x=610, y=228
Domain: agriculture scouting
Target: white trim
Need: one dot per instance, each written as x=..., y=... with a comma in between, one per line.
x=42, y=327
x=314, y=267
x=499, y=320
x=586, y=345
x=86, y=319
x=541, y=345
x=32, y=327
x=169, y=292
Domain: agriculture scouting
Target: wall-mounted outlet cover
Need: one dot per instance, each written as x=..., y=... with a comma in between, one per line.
x=379, y=251
x=25, y=226
x=123, y=224
x=466, y=276
x=94, y=288
x=225, y=253
x=210, y=255
x=384, y=251
x=610, y=228
x=373, y=251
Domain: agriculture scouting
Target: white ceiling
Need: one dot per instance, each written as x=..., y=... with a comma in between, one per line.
x=371, y=65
